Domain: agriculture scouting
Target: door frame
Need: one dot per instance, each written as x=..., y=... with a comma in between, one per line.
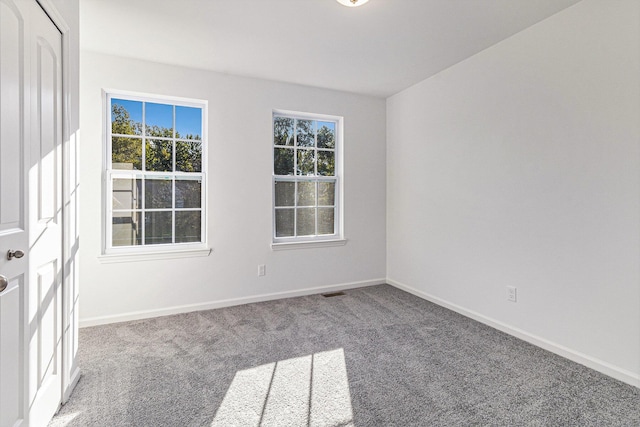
x=70, y=236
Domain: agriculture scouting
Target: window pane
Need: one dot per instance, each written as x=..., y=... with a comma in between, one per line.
x=159, y=155
x=157, y=193
x=188, y=194
x=285, y=193
x=326, y=163
x=283, y=161
x=188, y=156
x=282, y=131
x=326, y=135
x=306, y=133
x=126, y=193
x=188, y=226
x=126, y=153
x=306, y=221
x=306, y=193
x=157, y=228
x=284, y=222
x=306, y=160
x=325, y=221
x=326, y=193
x=188, y=122
x=126, y=117
x=159, y=119
x=126, y=229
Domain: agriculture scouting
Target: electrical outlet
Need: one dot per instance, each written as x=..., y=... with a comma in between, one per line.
x=512, y=293
x=262, y=270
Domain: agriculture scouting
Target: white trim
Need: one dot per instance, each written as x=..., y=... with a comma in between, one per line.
x=173, y=253
x=306, y=116
x=280, y=246
x=575, y=356
x=146, y=314
x=154, y=98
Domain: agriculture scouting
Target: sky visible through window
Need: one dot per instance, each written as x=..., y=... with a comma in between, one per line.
x=188, y=119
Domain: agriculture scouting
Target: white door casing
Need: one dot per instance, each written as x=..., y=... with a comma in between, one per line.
x=30, y=214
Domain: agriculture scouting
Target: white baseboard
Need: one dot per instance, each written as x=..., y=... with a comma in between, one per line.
x=575, y=356
x=146, y=314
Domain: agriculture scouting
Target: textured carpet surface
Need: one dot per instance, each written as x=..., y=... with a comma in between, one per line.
x=376, y=356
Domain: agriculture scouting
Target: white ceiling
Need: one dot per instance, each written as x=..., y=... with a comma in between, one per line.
x=378, y=49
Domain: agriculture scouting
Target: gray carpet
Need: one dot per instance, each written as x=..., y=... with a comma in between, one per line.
x=376, y=356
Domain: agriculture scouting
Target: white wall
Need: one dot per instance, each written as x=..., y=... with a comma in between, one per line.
x=520, y=167
x=239, y=196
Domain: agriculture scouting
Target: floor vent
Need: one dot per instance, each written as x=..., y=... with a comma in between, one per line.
x=333, y=294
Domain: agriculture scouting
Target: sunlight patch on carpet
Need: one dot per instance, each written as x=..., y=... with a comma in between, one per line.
x=311, y=390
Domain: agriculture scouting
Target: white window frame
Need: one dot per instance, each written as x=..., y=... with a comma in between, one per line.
x=298, y=242
x=112, y=253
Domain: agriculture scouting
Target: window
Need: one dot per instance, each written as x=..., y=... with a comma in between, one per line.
x=306, y=177
x=155, y=174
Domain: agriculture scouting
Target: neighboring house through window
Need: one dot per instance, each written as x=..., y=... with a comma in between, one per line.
x=306, y=177
x=155, y=172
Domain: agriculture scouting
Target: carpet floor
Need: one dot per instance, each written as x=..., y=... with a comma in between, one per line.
x=376, y=356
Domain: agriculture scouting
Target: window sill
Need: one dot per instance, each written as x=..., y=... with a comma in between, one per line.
x=308, y=244
x=152, y=256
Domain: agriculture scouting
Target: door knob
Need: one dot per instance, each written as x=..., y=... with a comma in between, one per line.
x=3, y=283
x=14, y=254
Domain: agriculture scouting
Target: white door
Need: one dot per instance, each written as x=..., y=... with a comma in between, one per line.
x=30, y=214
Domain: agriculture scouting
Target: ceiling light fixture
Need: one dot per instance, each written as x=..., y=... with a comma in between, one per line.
x=352, y=3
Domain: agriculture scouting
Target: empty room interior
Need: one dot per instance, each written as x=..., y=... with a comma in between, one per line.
x=324, y=213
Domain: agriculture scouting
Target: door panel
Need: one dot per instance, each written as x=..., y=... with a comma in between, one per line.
x=48, y=333
x=46, y=70
x=13, y=222
x=30, y=214
x=45, y=231
x=11, y=105
x=11, y=352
